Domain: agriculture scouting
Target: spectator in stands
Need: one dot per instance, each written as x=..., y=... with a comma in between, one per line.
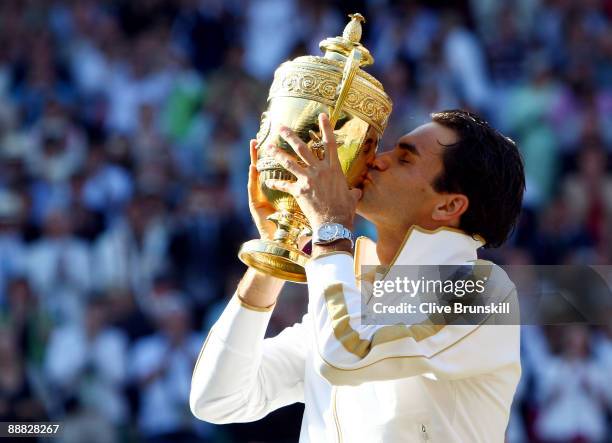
x=87, y=365
x=161, y=365
x=131, y=252
x=13, y=250
x=573, y=393
x=29, y=321
x=20, y=400
x=58, y=268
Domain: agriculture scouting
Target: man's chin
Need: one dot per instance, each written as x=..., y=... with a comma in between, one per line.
x=363, y=208
x=370, y=205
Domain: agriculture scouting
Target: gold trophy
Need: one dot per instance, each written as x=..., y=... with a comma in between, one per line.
x=358, y=110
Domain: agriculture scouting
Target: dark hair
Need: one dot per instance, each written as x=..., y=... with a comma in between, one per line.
x=487, y=168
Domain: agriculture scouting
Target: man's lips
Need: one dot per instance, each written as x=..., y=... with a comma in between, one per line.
x=365, y=182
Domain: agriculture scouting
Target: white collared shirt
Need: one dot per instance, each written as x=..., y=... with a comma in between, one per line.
x=447, y=384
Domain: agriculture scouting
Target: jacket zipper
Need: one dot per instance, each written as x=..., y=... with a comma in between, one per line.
x=424, y=434
x=335, y=414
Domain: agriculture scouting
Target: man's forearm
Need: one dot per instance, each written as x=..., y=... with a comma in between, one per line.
x=259, y=290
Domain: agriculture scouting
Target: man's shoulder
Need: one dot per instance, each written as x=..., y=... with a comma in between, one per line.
x=497, y=279
x=499, y=290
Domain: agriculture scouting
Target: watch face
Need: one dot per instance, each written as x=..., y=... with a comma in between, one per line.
x=327, y=232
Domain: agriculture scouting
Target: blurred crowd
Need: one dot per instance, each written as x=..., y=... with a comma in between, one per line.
x=124, y=129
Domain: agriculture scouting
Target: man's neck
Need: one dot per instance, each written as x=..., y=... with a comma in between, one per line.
x=391, y=239
x=389, y=242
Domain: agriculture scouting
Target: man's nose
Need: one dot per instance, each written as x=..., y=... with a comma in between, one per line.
x=381, y=162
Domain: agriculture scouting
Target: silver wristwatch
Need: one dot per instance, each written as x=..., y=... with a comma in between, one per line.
x=332, y=232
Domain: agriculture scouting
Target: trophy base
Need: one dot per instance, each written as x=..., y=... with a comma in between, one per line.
x=275, y=259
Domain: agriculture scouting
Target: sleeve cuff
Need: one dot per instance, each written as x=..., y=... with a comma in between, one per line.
x=245, y=305
x=327, y=269
x=327, y=254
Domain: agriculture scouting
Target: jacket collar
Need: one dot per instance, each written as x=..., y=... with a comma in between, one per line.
x=442, y=246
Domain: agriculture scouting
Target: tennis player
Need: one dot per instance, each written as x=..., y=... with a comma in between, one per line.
x=445, y=190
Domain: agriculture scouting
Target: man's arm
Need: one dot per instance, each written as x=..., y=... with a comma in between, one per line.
x=239, y=376
x=259, y=290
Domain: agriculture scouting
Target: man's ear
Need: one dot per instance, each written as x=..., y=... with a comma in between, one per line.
x=450, y=208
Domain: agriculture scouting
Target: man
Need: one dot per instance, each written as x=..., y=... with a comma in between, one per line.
x=446, y=189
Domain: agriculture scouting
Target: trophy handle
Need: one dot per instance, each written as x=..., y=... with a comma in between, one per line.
x=352, y=64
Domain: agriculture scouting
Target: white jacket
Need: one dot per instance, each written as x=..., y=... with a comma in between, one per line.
x=363, y=383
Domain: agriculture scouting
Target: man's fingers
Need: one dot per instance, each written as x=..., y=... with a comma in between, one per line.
x=253, y=151
x=253, y=185
x=288, y=162
x=331, y=149
x=298, y=146
x=356, y=194
x=281, y=185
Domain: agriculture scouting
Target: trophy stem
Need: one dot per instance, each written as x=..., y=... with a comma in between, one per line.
x=289, y=227
x=280, y=257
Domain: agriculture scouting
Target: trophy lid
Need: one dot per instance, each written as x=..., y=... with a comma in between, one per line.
x=321, y=79
x=350, y=39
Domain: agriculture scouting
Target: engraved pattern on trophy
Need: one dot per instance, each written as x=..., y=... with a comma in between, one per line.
x=302, y=89
x=316, y=84
x=264, y=128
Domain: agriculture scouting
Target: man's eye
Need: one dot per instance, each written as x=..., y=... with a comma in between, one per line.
x=403, y=160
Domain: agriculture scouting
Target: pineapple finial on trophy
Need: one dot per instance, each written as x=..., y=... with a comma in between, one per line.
x=352, y=31
x=340, y=47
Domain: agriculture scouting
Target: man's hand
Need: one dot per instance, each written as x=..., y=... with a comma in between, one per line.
x=259, y=205
x=320, y=189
